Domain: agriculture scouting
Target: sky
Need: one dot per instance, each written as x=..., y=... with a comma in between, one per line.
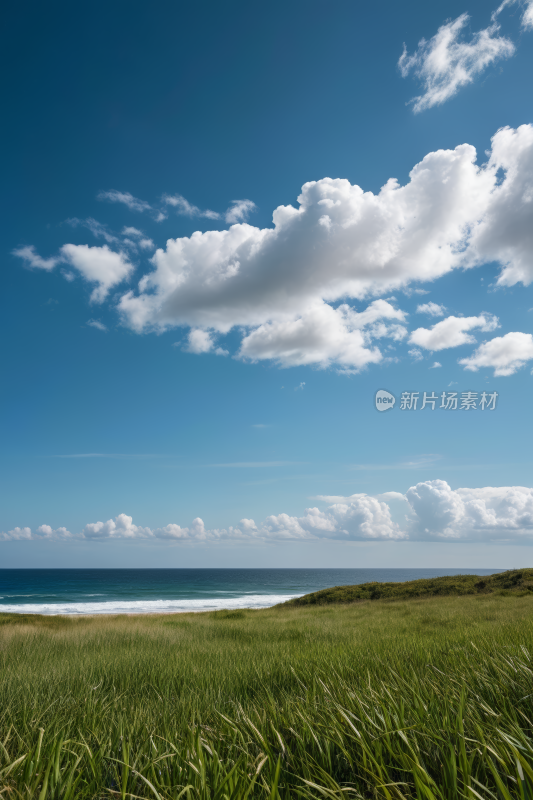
x=227, y=228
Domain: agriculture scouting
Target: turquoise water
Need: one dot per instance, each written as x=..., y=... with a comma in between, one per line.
x=116, y=591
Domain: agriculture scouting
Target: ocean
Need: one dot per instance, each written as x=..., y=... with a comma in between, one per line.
x=138, y=591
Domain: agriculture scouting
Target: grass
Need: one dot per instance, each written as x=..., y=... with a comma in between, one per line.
x=517, y=581
x=425, y=698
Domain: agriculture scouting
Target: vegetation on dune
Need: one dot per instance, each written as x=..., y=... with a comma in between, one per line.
x=516, y=581
x=428, y=699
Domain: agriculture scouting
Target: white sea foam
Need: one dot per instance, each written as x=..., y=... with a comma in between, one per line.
x=148, y=606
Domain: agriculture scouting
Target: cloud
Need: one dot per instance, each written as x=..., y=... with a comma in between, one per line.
x=428, y=511
x=506, y=354
x=16, y=534
x=436, y=365
x=47, y=532
x=141, y=240
x=433, y=309
x=98, y=230
x=503, y=513
x=42, y=532
x=199, y=342
x=452, y=332
x=33, y=259
x=121, y=527
x=445, y=63
x=95, y=323
x=98, y=265
x=340, y=242
x=360, y=516
x=258, y=464
x=127, y=199
x=185, y=208
x=505, y=231
x=280, y=287
x=321, y=336
x=239, y=211
x=416, y=354
x=527, y=17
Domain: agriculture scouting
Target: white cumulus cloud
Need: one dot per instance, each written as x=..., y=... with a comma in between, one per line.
x=324, y=335
x=32, y=259
x=199, y=341
x=438, y=512
x=452, y=332
x=16, y=534
x=342, y=242
x=239, y=211
x=98, y=265
x=430, y=511
x=445, y=63
x=121, y=527
x=505, y=354
x=280, y=286
x=433, y=309
x=504, y=233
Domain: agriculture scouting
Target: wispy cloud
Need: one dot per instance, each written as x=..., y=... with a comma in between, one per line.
x=95, y=323
x=32, y=259
x=527, y=17
x=127, y=199
x=239, y=211
x=187, y=209
x=98, y=230
x=418, y=462
x=108, y=455
x=416, y=354
x=259, y=464
x=445, y=63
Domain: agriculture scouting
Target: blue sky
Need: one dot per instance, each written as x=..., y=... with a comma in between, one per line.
x=187, y=382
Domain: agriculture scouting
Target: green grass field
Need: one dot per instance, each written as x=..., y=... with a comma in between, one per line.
x=419, y=698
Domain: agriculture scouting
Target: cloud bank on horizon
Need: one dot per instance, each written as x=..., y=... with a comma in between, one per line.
x=281, y=286
x=432, y=511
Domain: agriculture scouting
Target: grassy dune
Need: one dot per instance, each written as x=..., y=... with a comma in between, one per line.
x=421, y=698
x=516, y=581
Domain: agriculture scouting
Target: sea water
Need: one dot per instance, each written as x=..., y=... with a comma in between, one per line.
x=137, y=591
